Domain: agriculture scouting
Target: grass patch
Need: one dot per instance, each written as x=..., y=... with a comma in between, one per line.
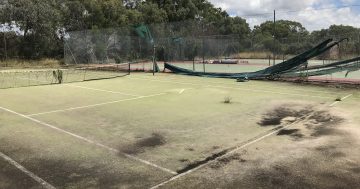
x=227, y=100
x=43, y=63
x=338, y=99
x=141, y=145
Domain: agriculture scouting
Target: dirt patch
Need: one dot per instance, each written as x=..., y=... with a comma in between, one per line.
x=154, y=140
x=323, y=123
x=141, y=145
x=325, y=118
x=226, y=160
x=294, y=133
x=317, y=122
x=318, y=163
x=201, y=162
x=287, y=131
x=275, y=116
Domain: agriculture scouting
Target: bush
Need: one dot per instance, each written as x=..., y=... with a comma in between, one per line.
x=227, y=100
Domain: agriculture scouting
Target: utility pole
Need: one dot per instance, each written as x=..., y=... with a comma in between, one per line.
x=274, y=37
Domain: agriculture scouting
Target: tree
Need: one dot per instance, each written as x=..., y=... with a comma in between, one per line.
x=151, y=13
x=40, y=22
x=290, y=37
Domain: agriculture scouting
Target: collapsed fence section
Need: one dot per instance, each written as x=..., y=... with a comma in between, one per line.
x=202, y=47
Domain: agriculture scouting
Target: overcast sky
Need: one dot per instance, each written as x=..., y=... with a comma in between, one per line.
x=314, y=14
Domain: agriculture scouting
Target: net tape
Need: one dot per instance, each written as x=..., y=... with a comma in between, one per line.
x=23, y=78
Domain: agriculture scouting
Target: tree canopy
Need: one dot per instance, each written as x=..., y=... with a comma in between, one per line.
x=44, y=24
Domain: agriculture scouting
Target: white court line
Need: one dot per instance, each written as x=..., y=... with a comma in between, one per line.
x=89, y=141
x=343, y=98
x=183, y=90
x=230, y=152
x=252, y=90
x=27, y=172
x=88, y=88
x=93, y=105
x=234, y=150
x=203, y=78
x=102, y=90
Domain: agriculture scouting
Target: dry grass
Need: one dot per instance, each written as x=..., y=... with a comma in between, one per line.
x=227, y=100
x=43, y=63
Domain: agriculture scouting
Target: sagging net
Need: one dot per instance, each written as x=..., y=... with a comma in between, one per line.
x=34, y=77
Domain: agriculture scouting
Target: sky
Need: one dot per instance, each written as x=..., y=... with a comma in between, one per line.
x=313, y=14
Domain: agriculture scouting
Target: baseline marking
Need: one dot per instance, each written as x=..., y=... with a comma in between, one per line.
x=27, y=172
x=253, y=90
x=89, y=141
x=343, y=98
x=94, y=105
x=102, y=90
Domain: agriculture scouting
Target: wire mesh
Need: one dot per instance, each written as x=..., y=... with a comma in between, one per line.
x=202, y=47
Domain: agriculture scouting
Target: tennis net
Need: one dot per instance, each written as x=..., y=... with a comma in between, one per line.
x=34, y=77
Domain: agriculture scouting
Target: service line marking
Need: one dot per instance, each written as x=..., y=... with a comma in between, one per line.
x=252, y=86
x=94, y=105
x=88, y=88
x=252, y=90
x=89, y=141
x=39, y=180
x=102, y=90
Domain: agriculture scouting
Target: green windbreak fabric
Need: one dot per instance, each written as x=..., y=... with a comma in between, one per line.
x=342, y=66
x=270, y=72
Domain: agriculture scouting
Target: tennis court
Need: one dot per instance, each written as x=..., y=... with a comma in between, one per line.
x=172, y=131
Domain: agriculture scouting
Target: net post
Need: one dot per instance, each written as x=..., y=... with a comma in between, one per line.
x=154, y=51
x=129, y=68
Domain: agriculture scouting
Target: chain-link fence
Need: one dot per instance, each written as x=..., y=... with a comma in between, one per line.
x=201, y=47
x=142, y=45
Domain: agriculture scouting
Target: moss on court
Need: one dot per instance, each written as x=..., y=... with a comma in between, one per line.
x=169, y=120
